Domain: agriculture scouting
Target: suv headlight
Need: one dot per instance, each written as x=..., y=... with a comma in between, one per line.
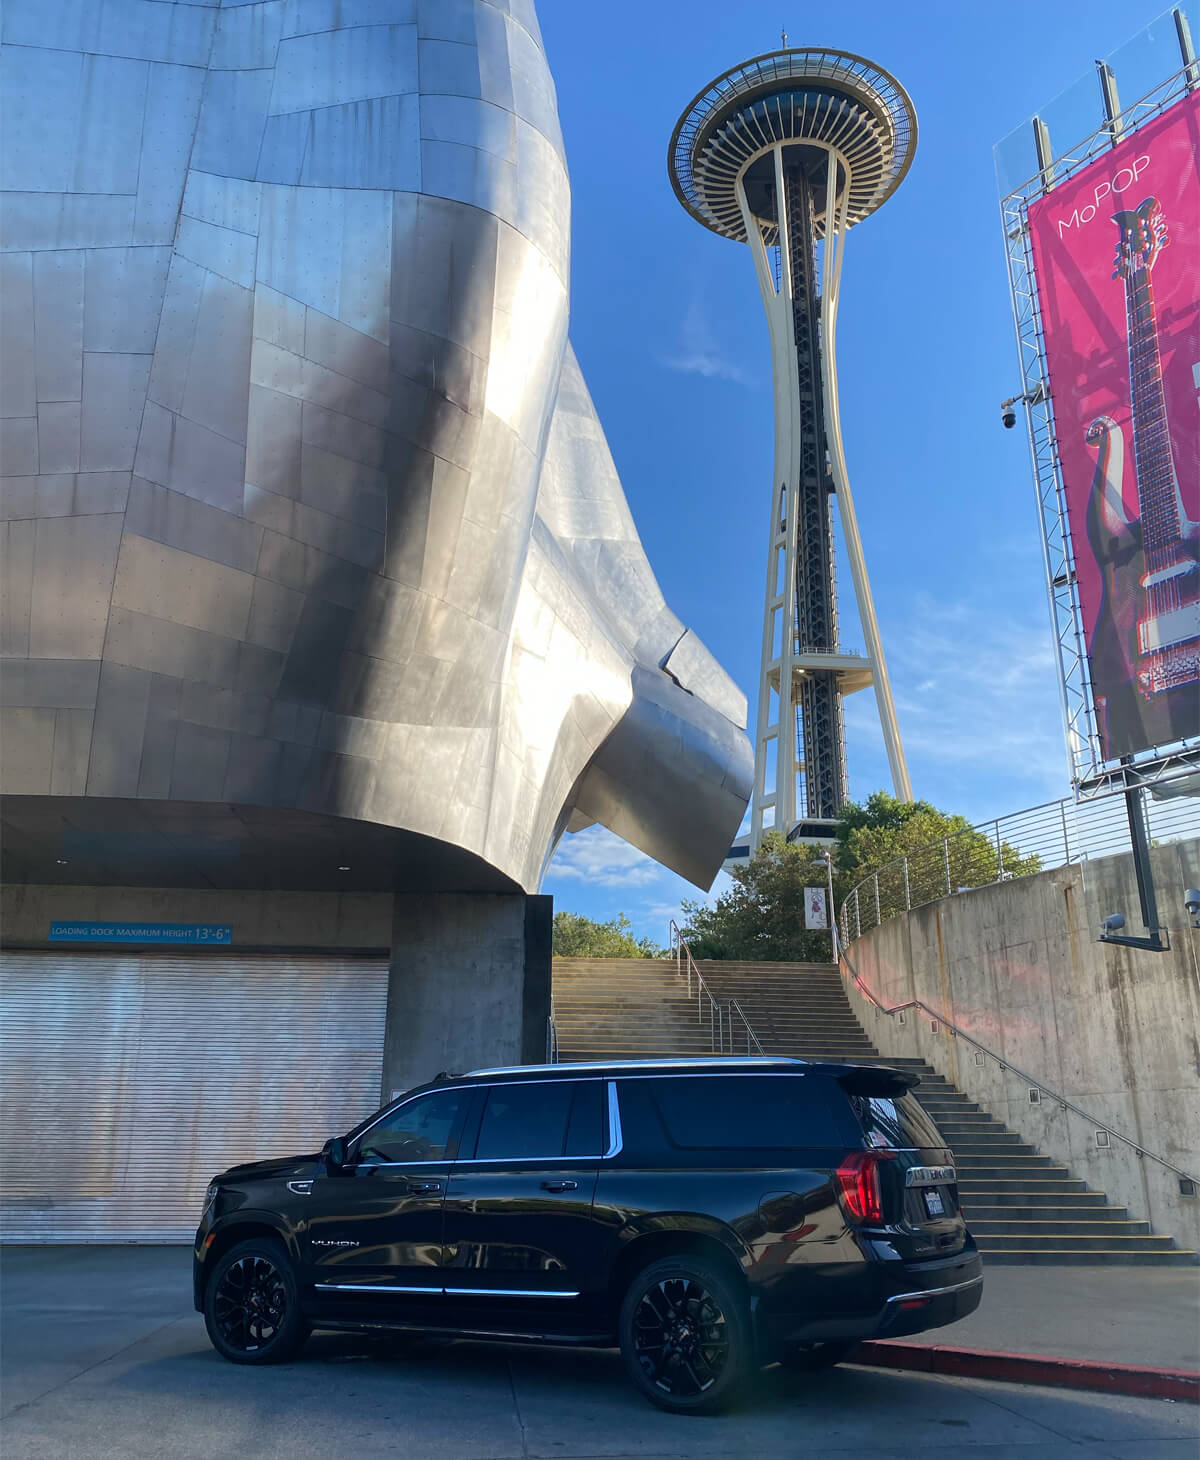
x=210, y=1195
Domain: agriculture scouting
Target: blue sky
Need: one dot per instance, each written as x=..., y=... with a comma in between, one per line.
x=669, y=329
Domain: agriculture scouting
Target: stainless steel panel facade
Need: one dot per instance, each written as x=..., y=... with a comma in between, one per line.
x=298, y=456
x=132, y=1080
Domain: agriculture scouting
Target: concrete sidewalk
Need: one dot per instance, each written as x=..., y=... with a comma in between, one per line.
x=1122, y=1315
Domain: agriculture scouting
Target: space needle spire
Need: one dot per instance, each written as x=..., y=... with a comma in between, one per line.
x=786, y=153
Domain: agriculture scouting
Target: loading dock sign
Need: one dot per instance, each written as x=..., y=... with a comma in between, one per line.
x=214, y=934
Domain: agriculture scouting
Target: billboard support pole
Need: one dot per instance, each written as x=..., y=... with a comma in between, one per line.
x=1045, y=157
x=1186, y=49
x=1112, y=102
x=1140, y=841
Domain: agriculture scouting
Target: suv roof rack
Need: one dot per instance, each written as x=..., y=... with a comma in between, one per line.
x=735, y=1062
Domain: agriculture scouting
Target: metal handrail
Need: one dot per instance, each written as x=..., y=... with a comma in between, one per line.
x=1056, y=833
x=733, y=1007
x=1003, y=1062
x=685, y=965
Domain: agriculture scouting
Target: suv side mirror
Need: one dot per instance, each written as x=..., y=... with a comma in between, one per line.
x=335, y=1153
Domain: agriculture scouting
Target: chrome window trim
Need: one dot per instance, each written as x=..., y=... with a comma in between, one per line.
x=443, y=1291
x=373, y=1288
x=615, y=1139
x=936, y=1292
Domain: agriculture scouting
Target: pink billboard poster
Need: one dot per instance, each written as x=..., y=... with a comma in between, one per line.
x=1117, y=259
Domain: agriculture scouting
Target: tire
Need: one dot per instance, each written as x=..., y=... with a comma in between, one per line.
x=685, y=1335
x=811, y=1358
x=252, y=1306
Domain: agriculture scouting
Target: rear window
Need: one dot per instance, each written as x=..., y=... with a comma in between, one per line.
x=736, y=1112
x=896, y=1123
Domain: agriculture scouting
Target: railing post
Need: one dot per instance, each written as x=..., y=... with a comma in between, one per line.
x=1062, y=811
x=999, y=855
x=878, y=913
x=857, y=916
x=946, y=856
x=907, y=891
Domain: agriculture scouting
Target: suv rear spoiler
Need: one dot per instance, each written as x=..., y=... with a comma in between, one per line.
x=885, y=1083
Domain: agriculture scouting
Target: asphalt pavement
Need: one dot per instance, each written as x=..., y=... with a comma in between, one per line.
x=102, y=1357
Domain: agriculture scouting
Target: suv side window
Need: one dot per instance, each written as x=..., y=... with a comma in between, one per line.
x=757, y=1112
x=898, y=1123
x=424, y=1129
x=525, y=1122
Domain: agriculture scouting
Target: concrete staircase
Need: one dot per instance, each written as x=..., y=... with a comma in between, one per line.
x=1021, y=1207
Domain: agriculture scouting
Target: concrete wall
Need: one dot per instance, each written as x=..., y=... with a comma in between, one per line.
x=1115, y=1030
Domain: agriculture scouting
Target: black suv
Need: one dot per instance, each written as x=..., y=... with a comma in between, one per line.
x=706, y=1215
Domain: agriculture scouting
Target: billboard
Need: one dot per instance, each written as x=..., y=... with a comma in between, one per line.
x=1116, y=253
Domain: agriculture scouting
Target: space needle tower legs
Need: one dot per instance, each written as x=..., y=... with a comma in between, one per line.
x=784, y=153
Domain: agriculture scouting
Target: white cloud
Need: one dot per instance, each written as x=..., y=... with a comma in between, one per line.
x=601, y=859
x=699, y=353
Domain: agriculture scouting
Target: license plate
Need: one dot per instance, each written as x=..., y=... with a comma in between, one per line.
x=933, y=1203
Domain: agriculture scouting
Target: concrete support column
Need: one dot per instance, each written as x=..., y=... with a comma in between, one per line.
x=469, y=984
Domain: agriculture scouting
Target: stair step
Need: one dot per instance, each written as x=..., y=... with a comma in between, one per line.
x=1074, y=1257
x=1074, y=1228
x=994, y=1201
x=1079, y=1242
x=1026, y=1186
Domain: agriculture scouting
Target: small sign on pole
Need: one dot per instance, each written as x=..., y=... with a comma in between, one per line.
x=815, y=916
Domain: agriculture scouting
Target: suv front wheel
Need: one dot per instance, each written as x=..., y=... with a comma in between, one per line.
x=251, y=1306
x=685, y=1335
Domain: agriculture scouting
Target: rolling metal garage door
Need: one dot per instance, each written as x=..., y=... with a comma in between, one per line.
x=129, y=1081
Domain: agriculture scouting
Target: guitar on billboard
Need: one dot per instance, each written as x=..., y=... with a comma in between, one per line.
x=1147, y=634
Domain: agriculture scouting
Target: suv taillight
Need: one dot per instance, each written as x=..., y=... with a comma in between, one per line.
x=860, y=1188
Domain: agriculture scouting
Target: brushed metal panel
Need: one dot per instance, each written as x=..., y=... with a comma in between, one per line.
x=216, y=392
x=259, y=669
x=19, y=446
x=114, y=388
x=16, y=586
x=175, y=452
x=50, y=684
x=446, y=20
x=449, y=68
x=173, y=98
x=247, y=36
x=39, y=141
x=338, y=536
x=471, y=122
x=244, y=711
x=151, y=31
x=282, y=372
x=112, y=105
x=201, y=758
x=182, y=522
x=26, y=750
x=273, y=443
x=65, y=220
x=142, y=641
x=252, y=772
x=72, y=750
x=285, y=141
x=227, y=202
x=274, y=613
x=495, y=74
x=305, y=16
x=337, y=346
x=222, y=250
x=335, y=432
x=158, y=747
x=469, y=175
x=58, y=436
x=232, y=117
x=18, y=396
x=365, y=144
x=281, y=321
x=352, y=735
x=693, y=668
x=74, y=559
x=118, y=731
x=123, y=297
x=58, y=323
x=343, y=488
x=181, y=587
x=534, y=98
x=176, y=330
x=333, y=66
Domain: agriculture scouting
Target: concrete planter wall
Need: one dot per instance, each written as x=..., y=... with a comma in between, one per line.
x=1115, y=1030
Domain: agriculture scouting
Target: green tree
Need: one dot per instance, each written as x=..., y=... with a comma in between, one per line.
x=761, y=917
x=937, y=848
x=578, y=937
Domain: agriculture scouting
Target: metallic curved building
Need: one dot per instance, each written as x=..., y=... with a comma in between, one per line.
x=787, y=152
x=311, y=526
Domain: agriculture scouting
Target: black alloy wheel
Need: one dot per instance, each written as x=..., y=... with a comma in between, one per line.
x=811, y=1358
x=251, y=1307
x=685, y=1335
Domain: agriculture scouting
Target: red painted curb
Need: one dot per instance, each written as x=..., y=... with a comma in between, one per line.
x=975, y=1363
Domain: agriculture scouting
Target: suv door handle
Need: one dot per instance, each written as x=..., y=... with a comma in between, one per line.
x=559, y=1185
x=424, y=1188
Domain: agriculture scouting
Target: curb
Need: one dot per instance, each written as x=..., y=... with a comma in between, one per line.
x=1060, y=1373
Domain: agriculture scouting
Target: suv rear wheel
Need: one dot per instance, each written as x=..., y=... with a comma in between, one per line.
x=251, y=1306
x=685, y=1335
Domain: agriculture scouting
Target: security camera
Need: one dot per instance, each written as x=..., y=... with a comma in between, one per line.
x=1113, y=923
x=1191, y=900
x=1008, y=416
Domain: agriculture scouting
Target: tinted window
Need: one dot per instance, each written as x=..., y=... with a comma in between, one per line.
x=524, y=1122
x=585, y=1134
x=422, y=1130
x=897, y=1123
x=748, y=1111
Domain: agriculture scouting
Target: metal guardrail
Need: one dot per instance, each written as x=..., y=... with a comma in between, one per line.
x=745, y=1034
x=1052, y=835
x=685, y=967
x=1005, y=1065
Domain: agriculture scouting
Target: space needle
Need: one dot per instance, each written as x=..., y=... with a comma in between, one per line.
x=787, y=152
